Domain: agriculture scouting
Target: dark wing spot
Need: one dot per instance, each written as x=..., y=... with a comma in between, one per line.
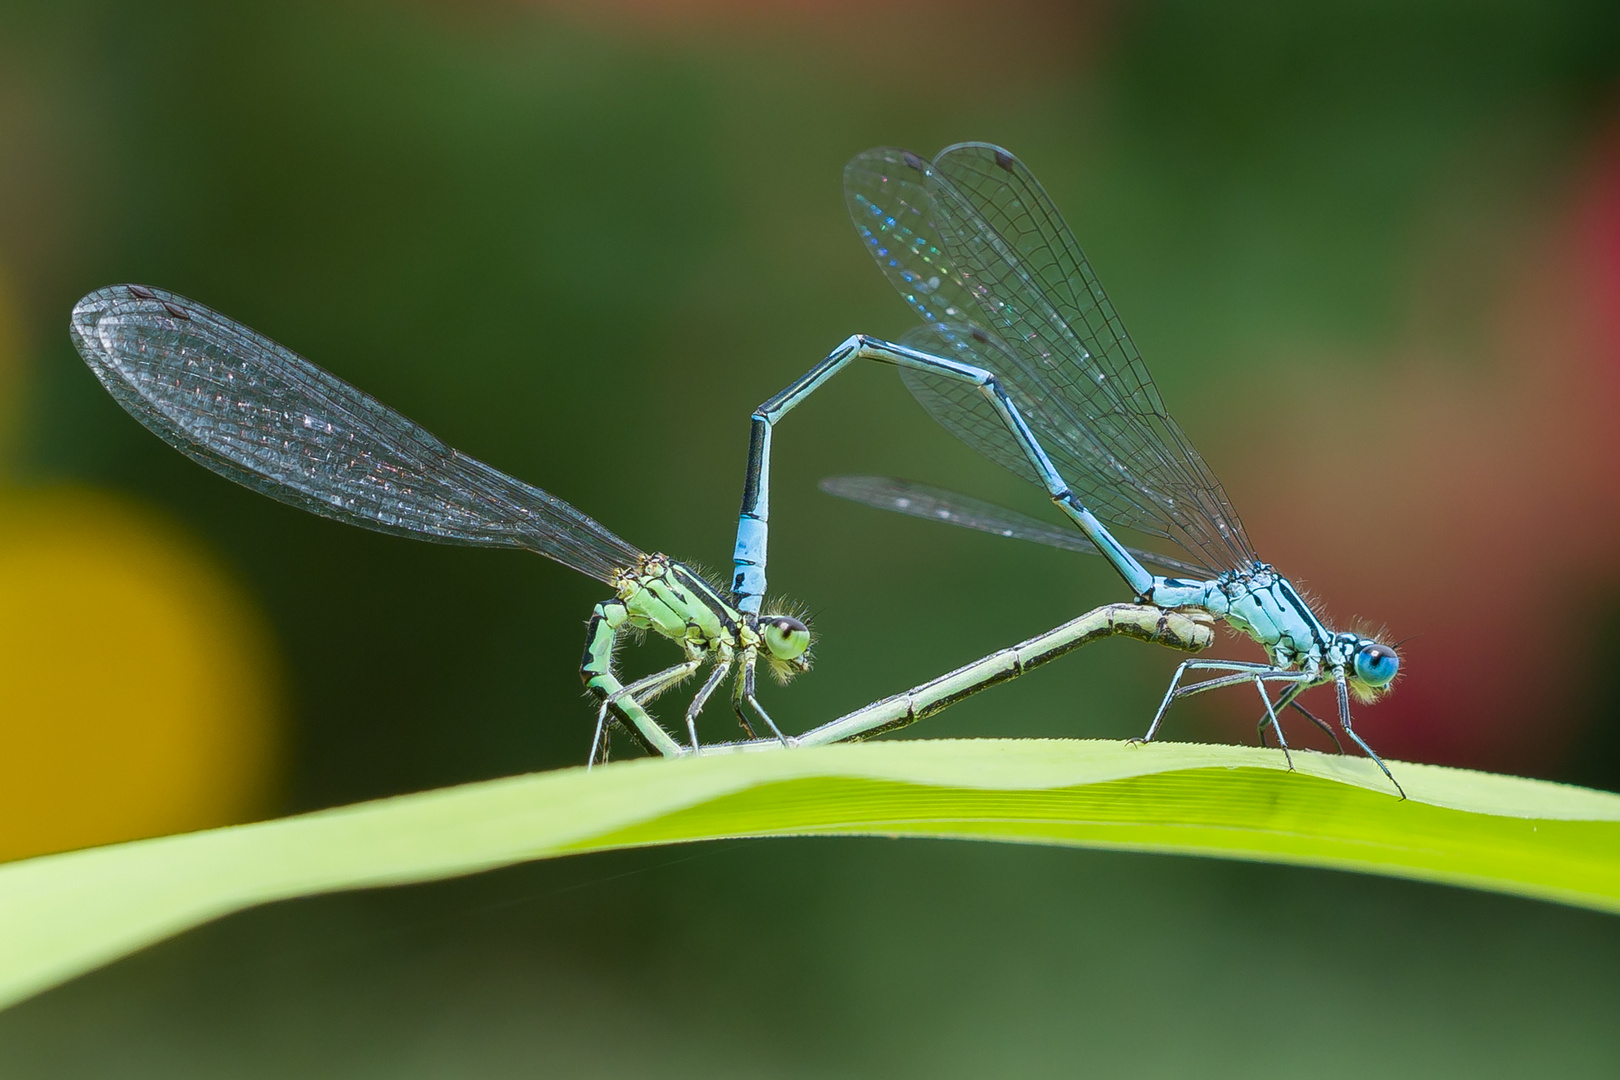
x=141, y=292
x=980, y=335
x=1004, y=159
x=913, y=160
x=175, y=310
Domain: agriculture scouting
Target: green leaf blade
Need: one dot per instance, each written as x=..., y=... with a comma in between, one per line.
x=66, y=914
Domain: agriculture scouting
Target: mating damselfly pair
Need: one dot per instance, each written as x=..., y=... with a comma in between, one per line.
x=1019, y=354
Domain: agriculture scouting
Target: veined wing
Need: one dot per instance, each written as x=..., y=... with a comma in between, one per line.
x=936, y=504
x=972, y=242
x=257, y=413
x=1019, y=241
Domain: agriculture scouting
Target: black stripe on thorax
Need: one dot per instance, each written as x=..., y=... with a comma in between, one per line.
x=1305, y=613
x=721, y=609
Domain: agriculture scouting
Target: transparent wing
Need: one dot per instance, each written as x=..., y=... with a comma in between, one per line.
x=889, y=202
x=257, y=413
x=972, y=240
x=1020, y=242
x=1083, y=459
x=936, y=504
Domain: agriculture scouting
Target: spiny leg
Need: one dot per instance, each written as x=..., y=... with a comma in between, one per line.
x=647, y=688
x=701, y=698
x=1271, y=715
x=744, y=692
x=765, y=716
x=1176, y=690
x=1329, y=732
x=598, y=743
x=596, y=669
x=599, y=740
x=601, y=743
x=746, y=666
x=1220, y=682
x=1288, y=700
x=1344, y=722
x=1164, y=706
x=644, y=690
x=659, y=682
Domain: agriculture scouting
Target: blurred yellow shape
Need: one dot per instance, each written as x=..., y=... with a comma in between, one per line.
x=137, y=686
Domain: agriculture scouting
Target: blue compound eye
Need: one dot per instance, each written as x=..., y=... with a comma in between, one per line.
x=1376, y=664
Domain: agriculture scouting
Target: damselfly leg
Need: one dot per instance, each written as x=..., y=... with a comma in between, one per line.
x=701, y=698
x=743, y=693
x=640, y=693
x=1238, y=672
x=1344, y=721
x=1271, y=718
x=1288, y=700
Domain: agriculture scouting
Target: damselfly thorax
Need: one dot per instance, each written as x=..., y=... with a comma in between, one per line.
x=673, y=600
x=1257, y=601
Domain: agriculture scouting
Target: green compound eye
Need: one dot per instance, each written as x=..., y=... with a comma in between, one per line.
x=786, y=637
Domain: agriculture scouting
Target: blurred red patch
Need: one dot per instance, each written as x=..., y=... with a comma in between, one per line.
x=1474, y=501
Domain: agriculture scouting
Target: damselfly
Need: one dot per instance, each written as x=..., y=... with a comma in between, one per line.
x=1022, y=356
x=257, y=413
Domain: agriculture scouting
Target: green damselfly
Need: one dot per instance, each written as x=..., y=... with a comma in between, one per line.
x=255, y=412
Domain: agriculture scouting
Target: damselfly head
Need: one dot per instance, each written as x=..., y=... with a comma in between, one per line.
x=1374, y=667
x=787, y=645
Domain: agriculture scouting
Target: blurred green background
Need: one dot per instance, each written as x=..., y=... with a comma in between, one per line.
x=1372, y=253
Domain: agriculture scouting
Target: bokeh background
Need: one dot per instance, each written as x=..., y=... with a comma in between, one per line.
x=1371, y=251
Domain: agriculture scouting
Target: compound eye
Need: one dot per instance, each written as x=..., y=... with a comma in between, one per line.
x=1376, y=664
x=786, y=637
